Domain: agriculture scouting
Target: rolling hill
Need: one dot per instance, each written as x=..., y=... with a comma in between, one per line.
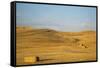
x=53, y=46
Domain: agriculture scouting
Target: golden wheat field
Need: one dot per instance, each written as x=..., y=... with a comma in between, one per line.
x=43, y=46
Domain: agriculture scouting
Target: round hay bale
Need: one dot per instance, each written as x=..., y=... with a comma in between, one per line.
x=31, y=59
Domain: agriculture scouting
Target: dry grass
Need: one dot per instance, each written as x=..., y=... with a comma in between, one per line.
x=53, y=46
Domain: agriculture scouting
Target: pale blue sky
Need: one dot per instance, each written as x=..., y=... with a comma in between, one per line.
x=57, y=17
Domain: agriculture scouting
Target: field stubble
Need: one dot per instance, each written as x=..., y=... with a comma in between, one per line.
x=52, y=46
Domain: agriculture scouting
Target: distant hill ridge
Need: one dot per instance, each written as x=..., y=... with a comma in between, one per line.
x=47, y=35
x=39, y=35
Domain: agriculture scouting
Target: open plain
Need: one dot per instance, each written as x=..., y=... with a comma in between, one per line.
x=51, y=46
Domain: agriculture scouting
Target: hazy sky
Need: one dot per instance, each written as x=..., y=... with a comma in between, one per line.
x=61, y=18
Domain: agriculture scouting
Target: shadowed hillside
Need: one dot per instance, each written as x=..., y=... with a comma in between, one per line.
x=54, y=46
